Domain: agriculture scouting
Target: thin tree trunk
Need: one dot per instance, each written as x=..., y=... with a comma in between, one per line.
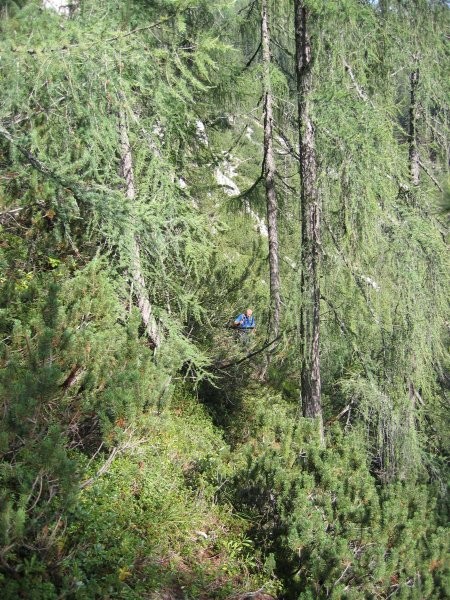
x=65, y=8
x=269, y=178
x=384, y=7
x=310, y=217
x=140, y=290
x=414, y=159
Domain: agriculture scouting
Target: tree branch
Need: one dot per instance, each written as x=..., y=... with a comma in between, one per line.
x=354, y=275
x=345, y=330
x=9, y=214
x=431, y=176
x=41, y=167
x=361, y=93
x=286, y=143
x=249, y=8
x=106, y=465
x=249, y=62
x=107, y=40
x=248, y=356
x=245, y=193
x=103, y=469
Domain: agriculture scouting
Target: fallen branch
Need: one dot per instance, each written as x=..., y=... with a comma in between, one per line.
x=342, y=574
x=107, y=464
x=9, y=214
x=258, y=595
x=101, y=471
x=74, y=376
x=250, y=355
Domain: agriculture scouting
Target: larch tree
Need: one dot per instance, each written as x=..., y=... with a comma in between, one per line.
x=269, y=176
x=115, y=232
x=310, y=222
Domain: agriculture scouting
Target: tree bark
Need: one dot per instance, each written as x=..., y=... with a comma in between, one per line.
x=269, y=178
x=65, y=8
x=310, y=218
x=140, y=290
x=414, y=159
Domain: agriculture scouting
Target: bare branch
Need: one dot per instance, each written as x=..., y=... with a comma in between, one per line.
x=9, y=214
x=431, y=176
x=107, y=464
x=251, y=354
x=342, y=574
x=252, y=58
x=361, y=93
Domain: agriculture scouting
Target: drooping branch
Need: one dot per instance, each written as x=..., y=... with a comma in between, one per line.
x=355, y=276
x=249, y=190
x=251, y=354
x=37, y=164
x=248, y=9
x=252, y=58
x=113, y=38
x=346, y=330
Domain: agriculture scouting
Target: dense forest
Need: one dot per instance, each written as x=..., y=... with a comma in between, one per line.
x=166, y=165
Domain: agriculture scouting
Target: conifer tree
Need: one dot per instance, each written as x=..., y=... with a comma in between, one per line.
x=269, y=175
x=310, y=221
x=124, y=470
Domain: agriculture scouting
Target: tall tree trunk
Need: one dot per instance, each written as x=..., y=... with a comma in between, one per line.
x=310, y=216
x=269, y=177
x=140, y=290
x=414, y=174
x=414, y=160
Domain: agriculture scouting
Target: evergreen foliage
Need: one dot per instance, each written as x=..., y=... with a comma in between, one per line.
x=131, y=469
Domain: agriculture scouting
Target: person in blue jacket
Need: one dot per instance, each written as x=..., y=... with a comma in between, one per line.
x=245, y=324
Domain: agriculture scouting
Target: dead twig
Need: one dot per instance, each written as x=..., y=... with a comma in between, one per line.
x=107, y=464
x=431, y=176
x=251, y=354
x=9, y=214
x=361, y=93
